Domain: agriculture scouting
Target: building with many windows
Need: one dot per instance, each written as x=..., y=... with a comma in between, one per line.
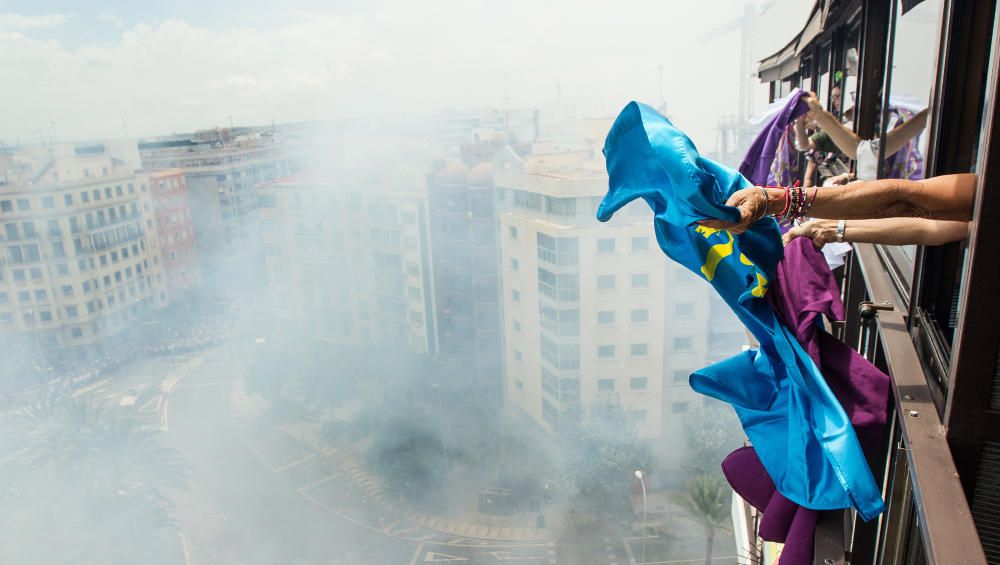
x=75, y=266
x=222, y=168
x=592, y=311
x=170, y=216
x=349, y=266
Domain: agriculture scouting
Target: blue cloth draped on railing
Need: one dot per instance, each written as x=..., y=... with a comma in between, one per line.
x=801, y=433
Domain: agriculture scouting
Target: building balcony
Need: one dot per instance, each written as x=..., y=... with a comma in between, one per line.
x=928, y=519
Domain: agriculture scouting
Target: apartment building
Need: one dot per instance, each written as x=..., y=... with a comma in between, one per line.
x=175, y=265
x=75, y=266
x=592, y=311
x=346, y=265
x=222, y=168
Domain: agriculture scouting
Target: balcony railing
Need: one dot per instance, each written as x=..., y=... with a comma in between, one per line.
x=928, y=520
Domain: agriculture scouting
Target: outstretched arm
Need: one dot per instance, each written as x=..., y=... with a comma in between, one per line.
x=887, y=231
x=898, y=137
x=947, y=197
x=845, y=139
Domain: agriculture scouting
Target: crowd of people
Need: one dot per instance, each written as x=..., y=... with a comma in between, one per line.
x=153, y=339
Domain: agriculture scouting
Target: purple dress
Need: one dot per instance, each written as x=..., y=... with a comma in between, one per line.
x=805, y=291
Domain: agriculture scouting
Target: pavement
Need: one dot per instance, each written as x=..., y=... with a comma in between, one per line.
x=259, y=494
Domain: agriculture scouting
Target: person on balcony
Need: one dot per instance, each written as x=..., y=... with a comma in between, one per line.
x=888, y=231
x=864, y=151
x=946, y=197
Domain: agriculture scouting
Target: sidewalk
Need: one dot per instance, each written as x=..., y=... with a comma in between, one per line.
x=346, y=462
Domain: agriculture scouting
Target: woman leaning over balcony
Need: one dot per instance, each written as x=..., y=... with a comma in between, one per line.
x=947, y=197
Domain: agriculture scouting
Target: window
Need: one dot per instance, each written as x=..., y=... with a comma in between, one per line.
x=77, y=332
x=41, y=295
x=103, y=259
x=3, y=297
x=23, y=204
x=605, y=245
x=639, y=349
x=562, y=287
x=513, y=264
x=605, y=282
x=45, y=316
x=68, y=199
x=48, y=202
x=23, y=296
x=605, y=317
x=67, y=290
x=515, y=295
x=518, y=355
x=684, y=310
x=5, y=206
x=558, y=250
x=84, y=197
x=605, y=385
x=638, y=383
x=640, y=316
x=640, y=280
x=71, y=311
x=517, y=326
x=640, y=244
x=519, y=384
x=605, y=352
x=512, y=232
x=680, y=407
x=62, y=269
x=36, y=273
x=683, y=344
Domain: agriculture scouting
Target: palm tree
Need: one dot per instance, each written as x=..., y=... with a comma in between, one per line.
x=90, y=479
x=707, y=502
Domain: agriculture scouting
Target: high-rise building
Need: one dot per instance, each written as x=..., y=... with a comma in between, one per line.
x=222, y=168
x=592, y=311
x=463, y=231
x=169, y=216
x=346, y=265
x=75, y=269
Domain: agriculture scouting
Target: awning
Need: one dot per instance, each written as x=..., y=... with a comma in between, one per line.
x=785, y=62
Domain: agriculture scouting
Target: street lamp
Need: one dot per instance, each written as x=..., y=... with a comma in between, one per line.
x=642, y=481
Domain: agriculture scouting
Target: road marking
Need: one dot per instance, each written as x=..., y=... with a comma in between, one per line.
x=433, y=557
x=388, y=529
x=321, y=481
x=511, y=556
x=417, y=554
x=294, y=463
x=184, y=547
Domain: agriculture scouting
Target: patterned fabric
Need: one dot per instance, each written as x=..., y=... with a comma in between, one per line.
x=908, y=162
x=800, y=432
x=772, y=156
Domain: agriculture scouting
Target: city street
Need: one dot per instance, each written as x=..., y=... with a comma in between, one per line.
x=258, y=495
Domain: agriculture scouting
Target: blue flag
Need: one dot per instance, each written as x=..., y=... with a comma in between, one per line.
x=801, y=433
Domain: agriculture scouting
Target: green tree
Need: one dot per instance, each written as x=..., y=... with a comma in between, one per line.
x=711, y=433
x=85, y=484
x=706, y=501
x=601, y=451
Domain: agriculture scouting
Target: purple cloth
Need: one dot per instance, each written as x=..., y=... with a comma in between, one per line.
x=908, y=162
x=806, y=290
x=767, y=146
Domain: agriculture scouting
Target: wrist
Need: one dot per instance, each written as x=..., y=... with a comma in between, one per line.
x=775, y=200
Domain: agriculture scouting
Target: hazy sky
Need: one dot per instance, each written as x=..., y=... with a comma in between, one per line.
x=157, y=67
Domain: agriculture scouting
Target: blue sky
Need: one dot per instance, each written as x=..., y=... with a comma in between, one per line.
x=100, y=69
